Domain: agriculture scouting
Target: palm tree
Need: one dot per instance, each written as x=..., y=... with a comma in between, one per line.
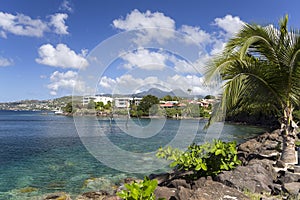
x=260, y=67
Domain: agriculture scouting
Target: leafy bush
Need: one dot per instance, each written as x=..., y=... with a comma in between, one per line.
x=143, y=190
x=208, y=159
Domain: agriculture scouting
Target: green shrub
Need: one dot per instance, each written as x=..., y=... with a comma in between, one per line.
x=208, y=159
x=143, y=190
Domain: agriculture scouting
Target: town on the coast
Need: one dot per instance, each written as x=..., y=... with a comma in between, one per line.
x=107, y=105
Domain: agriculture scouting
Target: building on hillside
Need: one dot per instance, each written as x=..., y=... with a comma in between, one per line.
x=125, y=102
x=96, y=98
x=206, y=102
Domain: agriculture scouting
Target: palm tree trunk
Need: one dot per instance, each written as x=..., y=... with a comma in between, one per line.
x=288, y=132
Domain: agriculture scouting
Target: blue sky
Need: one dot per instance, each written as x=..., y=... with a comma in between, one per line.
x=45, y=45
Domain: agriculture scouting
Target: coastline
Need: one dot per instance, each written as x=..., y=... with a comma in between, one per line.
x=259, y=167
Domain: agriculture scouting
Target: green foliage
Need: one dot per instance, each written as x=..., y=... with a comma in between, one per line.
x=167, y=98
x=68, y=108
x=170, y=98
x=146, y=103
x=208, y=159
x=91, y=105
x=261, y=71
x=209, y=97
x=171, y=112
x=99, y=105
x=143, y=190
x=107, y=106
x=297, y=115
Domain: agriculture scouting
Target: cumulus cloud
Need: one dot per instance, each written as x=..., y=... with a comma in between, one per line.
x=150, y=26
x=195, y=34
x=229, y=24
x=62, y=81
x=58, y=22
x=61, y=56
x=128, y=84
x=145, y=59
x=138, y=20
x=24, y=25
x=4, y=62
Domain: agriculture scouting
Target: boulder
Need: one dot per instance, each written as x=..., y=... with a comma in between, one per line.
x=256, y=177
x=112, y=198
x=280, y=164
x=275, y=136
x=165, y=192
x=179, y=182
x=290, y=177
x=250, y=146
x=161, y=178
x=216, y=190
x=58, y=196
x=184, y=193
x=297, y=168
x=95, y=195
x=292, y=188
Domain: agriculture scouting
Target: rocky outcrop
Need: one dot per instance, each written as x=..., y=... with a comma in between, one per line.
x=261, y=172
x=57, y=196
x=267, y=145
x=95, y=195
x=201, y=189
x=258, y=174
x=256, y=177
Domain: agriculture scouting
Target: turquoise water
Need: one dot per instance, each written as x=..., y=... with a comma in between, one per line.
x=42, y=154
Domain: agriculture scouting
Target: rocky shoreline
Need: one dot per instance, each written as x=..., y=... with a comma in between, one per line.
x=261, y=176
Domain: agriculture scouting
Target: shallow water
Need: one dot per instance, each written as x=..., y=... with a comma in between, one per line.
x=42, y=154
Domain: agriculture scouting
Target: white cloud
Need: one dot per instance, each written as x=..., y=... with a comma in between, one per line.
x=218, y=46
x=66, y=6
x=195, y=34
x=4, y=62
x=150, y=26
x=107, y=82
x=61, y=56
x=128, y=84
x=58, y=22
x=62, y=81
x=138, y=20
x=145, y=59
x=22, y=25
x=193, y=82
x=231, y=25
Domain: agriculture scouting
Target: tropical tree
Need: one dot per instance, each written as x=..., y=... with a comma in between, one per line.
x=260, y=67
x=147, y=102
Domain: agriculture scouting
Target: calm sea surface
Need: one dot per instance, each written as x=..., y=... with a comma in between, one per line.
x=41, y=154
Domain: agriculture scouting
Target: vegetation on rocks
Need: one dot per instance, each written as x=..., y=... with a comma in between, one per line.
x=208, y=159
x=143, y=190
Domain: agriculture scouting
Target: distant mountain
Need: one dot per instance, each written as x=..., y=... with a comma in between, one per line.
x=153, y=91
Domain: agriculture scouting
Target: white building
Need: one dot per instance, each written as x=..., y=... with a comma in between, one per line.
x=96, y=98
x=124, y=102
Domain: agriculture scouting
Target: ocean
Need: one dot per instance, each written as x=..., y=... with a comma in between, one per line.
x=46, y=153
